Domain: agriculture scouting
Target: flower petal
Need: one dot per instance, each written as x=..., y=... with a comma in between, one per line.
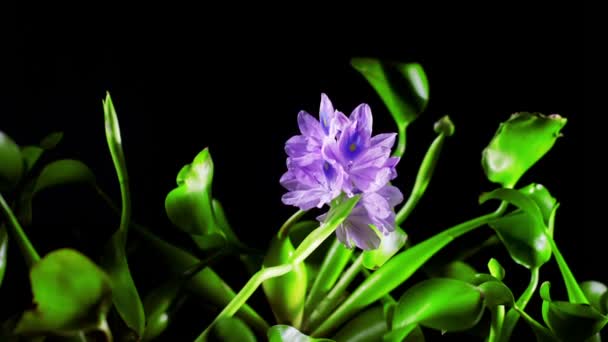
x=309, y=126
x=326, y=113
x=392, y=194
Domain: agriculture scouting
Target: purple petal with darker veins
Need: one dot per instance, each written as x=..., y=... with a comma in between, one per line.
x=386, y=140
x=326, y=113
x=309, y=126
x=305, y=199
x=358, y=231
x=362, y=116
x=376, y=205
x=392, y=194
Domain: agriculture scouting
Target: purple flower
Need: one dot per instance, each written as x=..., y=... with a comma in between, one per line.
x=338, y=154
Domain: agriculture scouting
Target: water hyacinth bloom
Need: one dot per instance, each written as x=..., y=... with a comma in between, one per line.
x=337, y=155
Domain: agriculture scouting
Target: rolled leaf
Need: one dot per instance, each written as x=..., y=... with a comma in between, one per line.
x=12, y=164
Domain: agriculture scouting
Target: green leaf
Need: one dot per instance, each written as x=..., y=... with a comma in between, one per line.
x=496, y=293
x=71, y=294
x=389, y=246
x=286, y=294
x=232, y=329
x=518, y=144
x=189, y=206
x=11, y=168
x=61, y=172
x=523, y=232
x=496, y=269
x=440, y=303
x=543, y=199
x=114, y=259
x=3, y=251
x=205, y=284
x=31, y=154
x=458, y=270
x=369, y=325
x=403, y=87
x=594, y=290
x=569, y=321
x=51, y=141
x=285, y=333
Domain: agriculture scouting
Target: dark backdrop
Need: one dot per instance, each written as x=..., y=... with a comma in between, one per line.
x=184, y=79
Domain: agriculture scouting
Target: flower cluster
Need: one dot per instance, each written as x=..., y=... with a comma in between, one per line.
x=338, y=155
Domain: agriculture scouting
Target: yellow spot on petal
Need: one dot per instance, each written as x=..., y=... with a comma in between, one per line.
x=352, y=147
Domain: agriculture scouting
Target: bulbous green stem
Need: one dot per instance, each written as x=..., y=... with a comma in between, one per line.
x=304, y=250
x=24, y=243
x=392, y=274
x=512, y=315
x=498, y=316
x=401, y=140
x=425, y=173
x=331, y=300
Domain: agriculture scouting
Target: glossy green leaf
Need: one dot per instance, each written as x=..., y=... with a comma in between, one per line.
x=65, y=171
x=542, y=197
x=286, y=294
x=523, y=232
x=3, y=251
x=11, y=168
x=369, y=325
x=496, y=293
x=285, y=333
x=232, y=329
x=496, y=269
x=403, y=87
x=389, y=246
x=594, y=291
x=518, y=144
x=205, y=284
x=459, y=270
x=71, y=294
x=31, y=155
x=114, y=259
x=189, y=206
x=51, y=141
x=569, y=321
x=440, y=303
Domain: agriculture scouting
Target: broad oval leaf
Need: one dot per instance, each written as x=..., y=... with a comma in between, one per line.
x=369, y=325
x=518, y=144
x=496, y=293
x=286, y=333
x=71, y=294
x=496, y=269
x=440, y=303
x=542, y=197
x=594, y=291
x=65, y=171
x=569, y=321
x=11, y=168
x=459, y=270
x=30, y=155
x=232, y=329
x=286, y=294
x=389, y=246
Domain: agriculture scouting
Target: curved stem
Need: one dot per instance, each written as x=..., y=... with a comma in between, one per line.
x=27, y=249
x=575, y=294
x=425, y=173
x=498, y=316
x=330, y=301
x=401, y=142
x=522, y=302
x=284, y=230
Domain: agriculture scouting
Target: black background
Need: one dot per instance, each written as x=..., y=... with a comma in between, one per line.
x=183, y=79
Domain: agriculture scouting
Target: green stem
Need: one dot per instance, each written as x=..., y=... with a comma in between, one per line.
x=330, y=301
x=425, y=173
x=537, y=327
x=333, y=264
x=401, y=142
x=498, y=316
x=27, y=249
x=305, y=249
x=522, y=302
x=284, y=230
x=575, y=294
x=392, y=274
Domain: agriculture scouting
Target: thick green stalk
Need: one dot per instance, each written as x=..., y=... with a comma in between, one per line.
x=24, y=243
x=498, y=316
x=512, y=316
